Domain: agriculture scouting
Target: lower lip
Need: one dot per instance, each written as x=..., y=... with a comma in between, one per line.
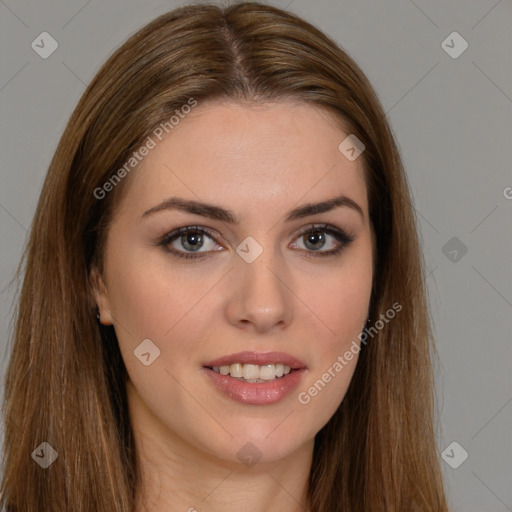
x=256, y=393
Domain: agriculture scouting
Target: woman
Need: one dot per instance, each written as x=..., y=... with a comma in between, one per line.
x=223, y=305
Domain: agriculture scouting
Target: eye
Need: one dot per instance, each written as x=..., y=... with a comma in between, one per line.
x=189, y=238
x=318, y=236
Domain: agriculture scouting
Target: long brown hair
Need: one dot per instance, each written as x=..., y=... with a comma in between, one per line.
x=65, y=383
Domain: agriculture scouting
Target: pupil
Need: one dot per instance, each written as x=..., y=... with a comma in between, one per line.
x=314, y=238
x=193, y=240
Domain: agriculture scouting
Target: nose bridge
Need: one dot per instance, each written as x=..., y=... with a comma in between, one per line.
x=261, y=295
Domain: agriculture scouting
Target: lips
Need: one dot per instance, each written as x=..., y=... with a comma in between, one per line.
x=255, y=391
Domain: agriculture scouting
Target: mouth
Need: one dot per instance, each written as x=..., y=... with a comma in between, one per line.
x=255, y=378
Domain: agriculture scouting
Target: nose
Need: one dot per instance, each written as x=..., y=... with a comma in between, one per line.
x=260, y=299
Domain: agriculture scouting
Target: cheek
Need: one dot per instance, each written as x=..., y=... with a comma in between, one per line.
x=148, y=295
x=338, y=299
x=151, y=300
x=324, y=391
x=334, y=358
x=159, y=304
x=339, y=305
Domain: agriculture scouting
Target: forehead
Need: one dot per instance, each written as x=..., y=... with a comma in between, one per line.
x=263, y=157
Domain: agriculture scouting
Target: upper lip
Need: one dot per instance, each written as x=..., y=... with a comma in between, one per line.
x=259, y=358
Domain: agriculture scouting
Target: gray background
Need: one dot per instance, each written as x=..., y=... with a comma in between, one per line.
x=452, y=120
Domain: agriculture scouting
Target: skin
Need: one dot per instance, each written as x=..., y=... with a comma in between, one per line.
x=260, y=162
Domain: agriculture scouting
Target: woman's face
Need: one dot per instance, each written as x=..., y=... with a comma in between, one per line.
x=261, y=289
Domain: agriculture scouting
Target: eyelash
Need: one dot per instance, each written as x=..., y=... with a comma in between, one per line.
x=344, y=238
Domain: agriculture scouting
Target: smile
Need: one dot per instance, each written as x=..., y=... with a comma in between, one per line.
x=254, y=378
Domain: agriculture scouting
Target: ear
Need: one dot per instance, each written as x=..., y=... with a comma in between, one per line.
x=100, y=296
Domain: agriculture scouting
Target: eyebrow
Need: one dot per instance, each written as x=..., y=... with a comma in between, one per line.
x=218, y=213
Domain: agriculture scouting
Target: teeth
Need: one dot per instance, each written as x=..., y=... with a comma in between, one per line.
x=235, y=370
x=267, y=372
x=250, y=371
x=253, y=372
